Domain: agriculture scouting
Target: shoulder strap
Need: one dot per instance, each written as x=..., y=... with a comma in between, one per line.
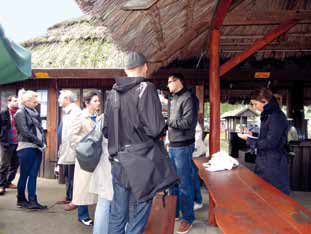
x=116, y=104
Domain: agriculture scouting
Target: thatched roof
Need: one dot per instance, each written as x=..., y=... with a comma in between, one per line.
x=168, y=29
x=245, y=111
x=77, y=43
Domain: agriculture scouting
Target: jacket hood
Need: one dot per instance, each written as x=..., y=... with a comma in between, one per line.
x=124, y=84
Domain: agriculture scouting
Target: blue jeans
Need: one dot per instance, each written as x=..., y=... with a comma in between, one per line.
x=182, y=161
x=197, y=185
x=101, y=221
x=29, y=161
x=83, y=212
x=126, y=214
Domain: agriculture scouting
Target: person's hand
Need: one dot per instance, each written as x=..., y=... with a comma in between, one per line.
x=246, y=131
x=243, y=136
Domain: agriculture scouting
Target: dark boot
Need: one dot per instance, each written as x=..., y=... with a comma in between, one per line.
x=22, y=202
x=34, y=205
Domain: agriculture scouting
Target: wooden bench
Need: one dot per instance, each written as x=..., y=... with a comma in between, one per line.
x=240, y=202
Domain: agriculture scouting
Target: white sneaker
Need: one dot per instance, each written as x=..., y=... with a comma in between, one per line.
x=197, y=206
x=87, y=222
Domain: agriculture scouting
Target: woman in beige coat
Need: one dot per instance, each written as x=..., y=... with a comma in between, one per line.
x=81, y=126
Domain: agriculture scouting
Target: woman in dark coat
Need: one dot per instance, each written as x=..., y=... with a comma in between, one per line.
x=31, y=143
x=272, y=157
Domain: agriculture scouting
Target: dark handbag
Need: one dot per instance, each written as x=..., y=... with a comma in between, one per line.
x=89, y=149
x=156, y=172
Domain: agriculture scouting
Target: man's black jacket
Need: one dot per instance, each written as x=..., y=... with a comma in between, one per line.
x=182, y=118
x=5, y=126
x=140, y=116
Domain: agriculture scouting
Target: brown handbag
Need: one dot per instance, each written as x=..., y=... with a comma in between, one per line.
x=162, y=216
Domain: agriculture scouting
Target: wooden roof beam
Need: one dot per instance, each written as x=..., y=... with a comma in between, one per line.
x=284, y=46
x=257, y=45
x=252, y=36
x=196, y=30
x=77, y=73
x=190, y=10
x=267, y=17
x=156, y=26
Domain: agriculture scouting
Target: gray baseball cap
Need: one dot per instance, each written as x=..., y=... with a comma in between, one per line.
x=134, y=59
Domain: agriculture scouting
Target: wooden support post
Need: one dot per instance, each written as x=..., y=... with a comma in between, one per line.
x=257, y=45
x=296, y=107
x=214, y=93
x=51, y=151
x=220, y=13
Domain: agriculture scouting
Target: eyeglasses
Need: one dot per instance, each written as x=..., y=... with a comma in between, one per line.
x=171, y=81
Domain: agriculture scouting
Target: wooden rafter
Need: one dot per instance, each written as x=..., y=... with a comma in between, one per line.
x=257, y=45
x=155, y=18
x=196, y=30
x=300, y=4
x=267, y=17
x=284, y=46
x=190, y=10
x=235, y=4
x=254, y=36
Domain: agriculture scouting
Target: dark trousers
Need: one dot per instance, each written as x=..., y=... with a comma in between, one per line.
x=8, y=164
x=69, y=173
x=29, y=161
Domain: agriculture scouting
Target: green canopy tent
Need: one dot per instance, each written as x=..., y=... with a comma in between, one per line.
x=15, y=61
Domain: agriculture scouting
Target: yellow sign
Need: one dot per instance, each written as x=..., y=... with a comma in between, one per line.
x=262, y=75
x=41, y=75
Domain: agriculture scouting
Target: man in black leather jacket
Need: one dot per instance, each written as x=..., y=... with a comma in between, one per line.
x=182, y=120
x=8, y=145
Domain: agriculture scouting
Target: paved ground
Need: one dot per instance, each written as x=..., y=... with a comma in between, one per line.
x=57, y=221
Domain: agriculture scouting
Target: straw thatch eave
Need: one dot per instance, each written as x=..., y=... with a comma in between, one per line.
x=169, y=29
x=76, y=43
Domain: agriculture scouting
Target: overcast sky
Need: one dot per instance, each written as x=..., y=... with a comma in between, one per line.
x=25, y=19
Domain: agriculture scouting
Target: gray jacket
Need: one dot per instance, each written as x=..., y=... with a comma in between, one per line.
x=182, y=118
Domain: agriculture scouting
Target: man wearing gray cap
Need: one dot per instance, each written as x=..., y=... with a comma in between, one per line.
x=132, y=117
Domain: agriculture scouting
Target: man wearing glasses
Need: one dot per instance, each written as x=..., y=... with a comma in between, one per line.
x=182, y=120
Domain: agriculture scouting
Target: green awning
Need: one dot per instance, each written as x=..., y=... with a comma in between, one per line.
x=15, y=61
